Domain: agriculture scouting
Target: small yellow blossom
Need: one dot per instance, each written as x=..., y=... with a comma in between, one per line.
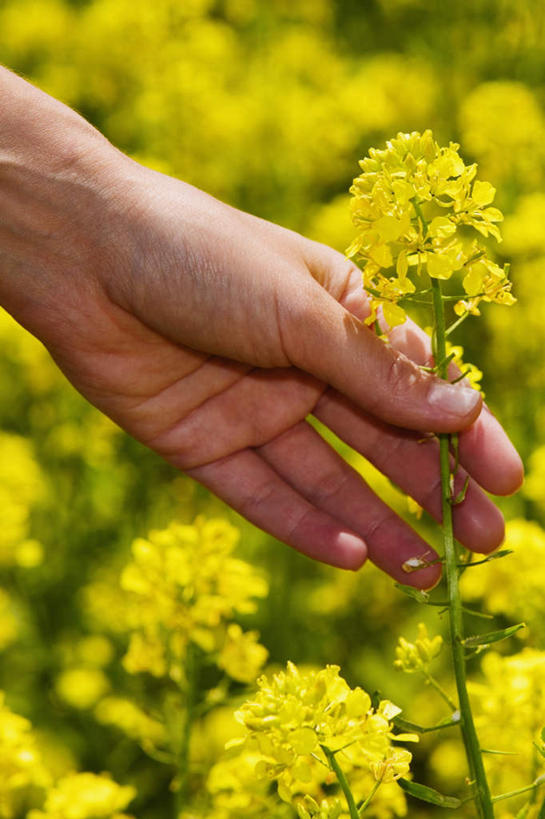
x=22, y=487
x=81, y=687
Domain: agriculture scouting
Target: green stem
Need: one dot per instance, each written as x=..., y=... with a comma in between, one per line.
x=538, y=782
x=476, y=766
x=440, y=690
x=343, y=782
x=182, y=761
x=367, y=802
x=455, y=324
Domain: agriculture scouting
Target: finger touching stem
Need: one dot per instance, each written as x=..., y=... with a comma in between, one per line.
x=330, y=343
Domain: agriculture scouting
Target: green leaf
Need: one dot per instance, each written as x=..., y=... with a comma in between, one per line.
x=416, y=594
x=405, y=725
x=376, y=697
x=540, y=749
x=492, y=636
x=428, y=794
x=495, y=556
x=475, y=613
x=542, y=735
x=503, y=753
x=461, y=496
x=523, y=812
x=541, y=814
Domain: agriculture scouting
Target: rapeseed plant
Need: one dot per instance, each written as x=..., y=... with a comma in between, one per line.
x=421, y=214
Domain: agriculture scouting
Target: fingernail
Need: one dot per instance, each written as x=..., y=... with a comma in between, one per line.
x=454, y=399
x=351, y=549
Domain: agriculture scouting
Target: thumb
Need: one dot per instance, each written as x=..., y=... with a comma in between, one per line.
x=331, y=343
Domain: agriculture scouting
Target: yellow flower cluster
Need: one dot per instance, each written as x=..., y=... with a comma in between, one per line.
x=85, y=796
x=412, y=205
x=22, y=487
x=513, y=585
x=510, y=704
x=297, y=717
x=237, y=792
x=21, y=766
x=184, y=586
x=503, y=127
x=417, y=656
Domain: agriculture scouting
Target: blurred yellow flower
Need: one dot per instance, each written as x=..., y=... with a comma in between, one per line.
x=513, y=585
x=132, y=720
x=81, y=687
x=22, y=487
x=417, y=656
x=184, y=586
x=503, y=127
x=85, y=796
x=21, y=765
x=241, y=655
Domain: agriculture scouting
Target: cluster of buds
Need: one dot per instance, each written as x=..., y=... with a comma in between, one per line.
x=417, y=656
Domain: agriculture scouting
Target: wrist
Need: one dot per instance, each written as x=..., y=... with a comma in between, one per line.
x=56, y=174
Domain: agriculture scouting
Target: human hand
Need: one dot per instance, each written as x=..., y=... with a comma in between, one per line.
x=210, y=335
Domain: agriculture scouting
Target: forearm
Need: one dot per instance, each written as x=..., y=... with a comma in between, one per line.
x=54, y=179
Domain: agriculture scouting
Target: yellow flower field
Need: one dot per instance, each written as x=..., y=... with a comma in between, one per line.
x=159, y=656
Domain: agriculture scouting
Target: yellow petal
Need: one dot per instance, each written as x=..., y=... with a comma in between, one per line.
x=483, y=193
x=381, y=255
x=473, y=280
x=303, y=741
x=441, y=227
x=393, y=314
x=388, y=228
x=441, y=265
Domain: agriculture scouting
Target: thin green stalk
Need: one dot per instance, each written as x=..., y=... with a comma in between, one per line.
x=440, y=690
x=536, y=784
x=343, y=782
x=482, y=791
x=182, y=761
x=367, y=802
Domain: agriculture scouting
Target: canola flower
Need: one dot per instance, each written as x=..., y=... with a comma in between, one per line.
x=310, y=727
x=411, y=204
x=185, y=587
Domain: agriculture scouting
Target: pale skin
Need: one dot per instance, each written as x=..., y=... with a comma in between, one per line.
x=211, y=335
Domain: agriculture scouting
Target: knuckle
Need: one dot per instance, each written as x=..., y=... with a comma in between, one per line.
x=329, y=486
x=180, y=445
x=261, y=495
